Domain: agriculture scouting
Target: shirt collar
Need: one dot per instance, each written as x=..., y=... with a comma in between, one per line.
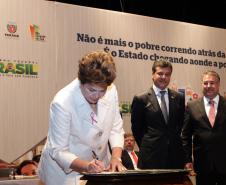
x=157, y=90
x=129, y=151
x=206, y=100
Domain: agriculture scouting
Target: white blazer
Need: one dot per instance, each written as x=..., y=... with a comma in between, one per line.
x=72, y=133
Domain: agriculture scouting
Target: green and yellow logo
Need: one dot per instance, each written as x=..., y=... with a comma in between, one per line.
x=14, y=68
x=125, y=107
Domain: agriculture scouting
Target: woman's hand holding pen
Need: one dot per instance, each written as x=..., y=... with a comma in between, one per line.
x=95, y=166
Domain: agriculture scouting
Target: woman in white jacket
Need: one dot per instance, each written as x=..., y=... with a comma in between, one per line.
x=84, y=116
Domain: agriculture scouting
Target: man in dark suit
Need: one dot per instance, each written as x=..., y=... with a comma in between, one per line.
x=204, y=133
x=129, y=156
x=157, y=119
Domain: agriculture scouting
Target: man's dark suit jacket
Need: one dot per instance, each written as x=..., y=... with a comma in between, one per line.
x=126, y=160
x=159, y=142
x=209, y=143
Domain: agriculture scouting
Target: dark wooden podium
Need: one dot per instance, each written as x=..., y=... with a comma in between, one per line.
x=139, y=177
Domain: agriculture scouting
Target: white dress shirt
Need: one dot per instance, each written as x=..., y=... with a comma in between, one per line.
x=207, y=105
x=158, y=95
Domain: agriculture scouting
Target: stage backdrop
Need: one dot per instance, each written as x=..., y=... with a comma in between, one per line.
x=27, y=73
x=43, y=42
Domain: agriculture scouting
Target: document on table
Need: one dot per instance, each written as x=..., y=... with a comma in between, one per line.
x=128, y=172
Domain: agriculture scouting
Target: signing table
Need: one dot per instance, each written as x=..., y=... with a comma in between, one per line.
x=139, y=177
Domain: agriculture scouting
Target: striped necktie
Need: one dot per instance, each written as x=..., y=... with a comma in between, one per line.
x=163, y=106
x=211, y=113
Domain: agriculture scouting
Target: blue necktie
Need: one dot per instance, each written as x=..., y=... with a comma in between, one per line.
x=163, y=106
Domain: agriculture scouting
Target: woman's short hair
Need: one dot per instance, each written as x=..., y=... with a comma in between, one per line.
x=97, y=67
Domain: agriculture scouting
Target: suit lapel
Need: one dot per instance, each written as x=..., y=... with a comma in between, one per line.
x=153, y=102
x=220, y=111
x=85, y=110
x=201, y=109
x=129, y=160
x=172, y=103
x=103, y=108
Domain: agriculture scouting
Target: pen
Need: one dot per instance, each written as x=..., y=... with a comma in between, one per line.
x=94, y=155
